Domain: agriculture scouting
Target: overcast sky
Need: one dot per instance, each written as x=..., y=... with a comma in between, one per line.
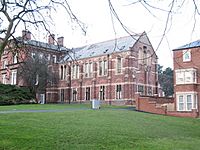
x=96, y=15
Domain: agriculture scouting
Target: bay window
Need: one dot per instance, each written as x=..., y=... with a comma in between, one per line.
x=186, y=101
x=186, y=76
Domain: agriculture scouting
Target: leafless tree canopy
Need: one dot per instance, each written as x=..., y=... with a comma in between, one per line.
x=36, y=74
x=30, y=13
x=38, y=14
x=170, y=8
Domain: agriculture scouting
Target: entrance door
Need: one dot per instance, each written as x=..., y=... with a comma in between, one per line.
x=42, y=98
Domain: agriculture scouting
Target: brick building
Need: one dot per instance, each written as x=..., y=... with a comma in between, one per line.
x=14, y=56
x=186, y=77
x=112, y=71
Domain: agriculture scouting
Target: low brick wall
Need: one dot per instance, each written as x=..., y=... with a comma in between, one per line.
x=159, y=105
x=148, y=104
x=192, y=114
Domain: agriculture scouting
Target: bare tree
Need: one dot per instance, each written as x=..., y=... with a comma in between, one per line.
x=15, y=13
x=170, y=8
x=36, y=74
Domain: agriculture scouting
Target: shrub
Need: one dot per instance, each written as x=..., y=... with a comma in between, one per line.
x=11, y=94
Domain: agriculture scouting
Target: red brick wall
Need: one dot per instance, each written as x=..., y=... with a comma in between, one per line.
x=131, y=75
x=194, y=63
x=150, y=104
x=193, y=114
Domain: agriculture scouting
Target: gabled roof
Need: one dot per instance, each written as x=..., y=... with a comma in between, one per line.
x=103, y=48
x=190, y=45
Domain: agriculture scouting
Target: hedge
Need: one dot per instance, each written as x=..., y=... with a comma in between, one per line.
x=11, y=94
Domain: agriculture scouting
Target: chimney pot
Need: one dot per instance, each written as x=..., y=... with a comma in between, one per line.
x=60, y=41
x=26, y=35
x=51, y=39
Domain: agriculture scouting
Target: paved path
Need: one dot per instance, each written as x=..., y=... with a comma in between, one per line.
x=57, y=110
x=41, y=110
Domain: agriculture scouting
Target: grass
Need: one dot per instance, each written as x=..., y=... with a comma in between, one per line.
x=95, y=129
x=42, y=107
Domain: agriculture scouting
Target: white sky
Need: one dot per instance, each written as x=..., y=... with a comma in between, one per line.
x=96, y=15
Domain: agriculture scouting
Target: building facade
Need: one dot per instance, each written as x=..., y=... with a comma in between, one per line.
x=17, y=53
x=111, y=71
x=186, y=77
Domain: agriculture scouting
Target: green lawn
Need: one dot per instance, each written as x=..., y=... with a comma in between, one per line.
x=95, y=129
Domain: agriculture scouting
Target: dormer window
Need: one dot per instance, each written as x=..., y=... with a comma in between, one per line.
x=186, y=55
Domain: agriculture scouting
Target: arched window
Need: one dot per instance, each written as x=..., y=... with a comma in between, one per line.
x=61, y=73
x=65, y=71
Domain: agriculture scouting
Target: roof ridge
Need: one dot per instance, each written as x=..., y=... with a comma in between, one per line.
x=138, y=34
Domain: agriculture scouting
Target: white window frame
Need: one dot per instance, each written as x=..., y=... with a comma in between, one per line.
x=49, y=57
x=182, y=103
x=119, y=63
x=15, y=58
x=14, y=77
x=65, y=72
x=186, y=76
x=76, y=95
x=89, y=93
x=189, y=102
x=75, y=71
x=148, y=90
x=41, y=55
x=186, y=55
x=103, y=66
x=33, y=55
x=103, y=91
x=143, y=87
x=4, y=78
x=88, y=70
x=4, y=64
x=62, y=95
x=54, y=59
x=61, y=72
x=118, y=93
x=185, y=101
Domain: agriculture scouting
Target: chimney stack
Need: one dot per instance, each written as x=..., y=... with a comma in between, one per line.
x=60, y=41
x=51, y=39
x=26, y=35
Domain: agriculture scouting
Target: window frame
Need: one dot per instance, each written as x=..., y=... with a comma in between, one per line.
x=102, y=92
x=15, y=58
x=119, y=65
x=187, y=53
x=103, y=68
x=4, y=79
x=87, y=96
x=75, y=71
x=74, y=94
x=118, y=91
x=187, y=104
x=186, y=76
x=14, y=77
